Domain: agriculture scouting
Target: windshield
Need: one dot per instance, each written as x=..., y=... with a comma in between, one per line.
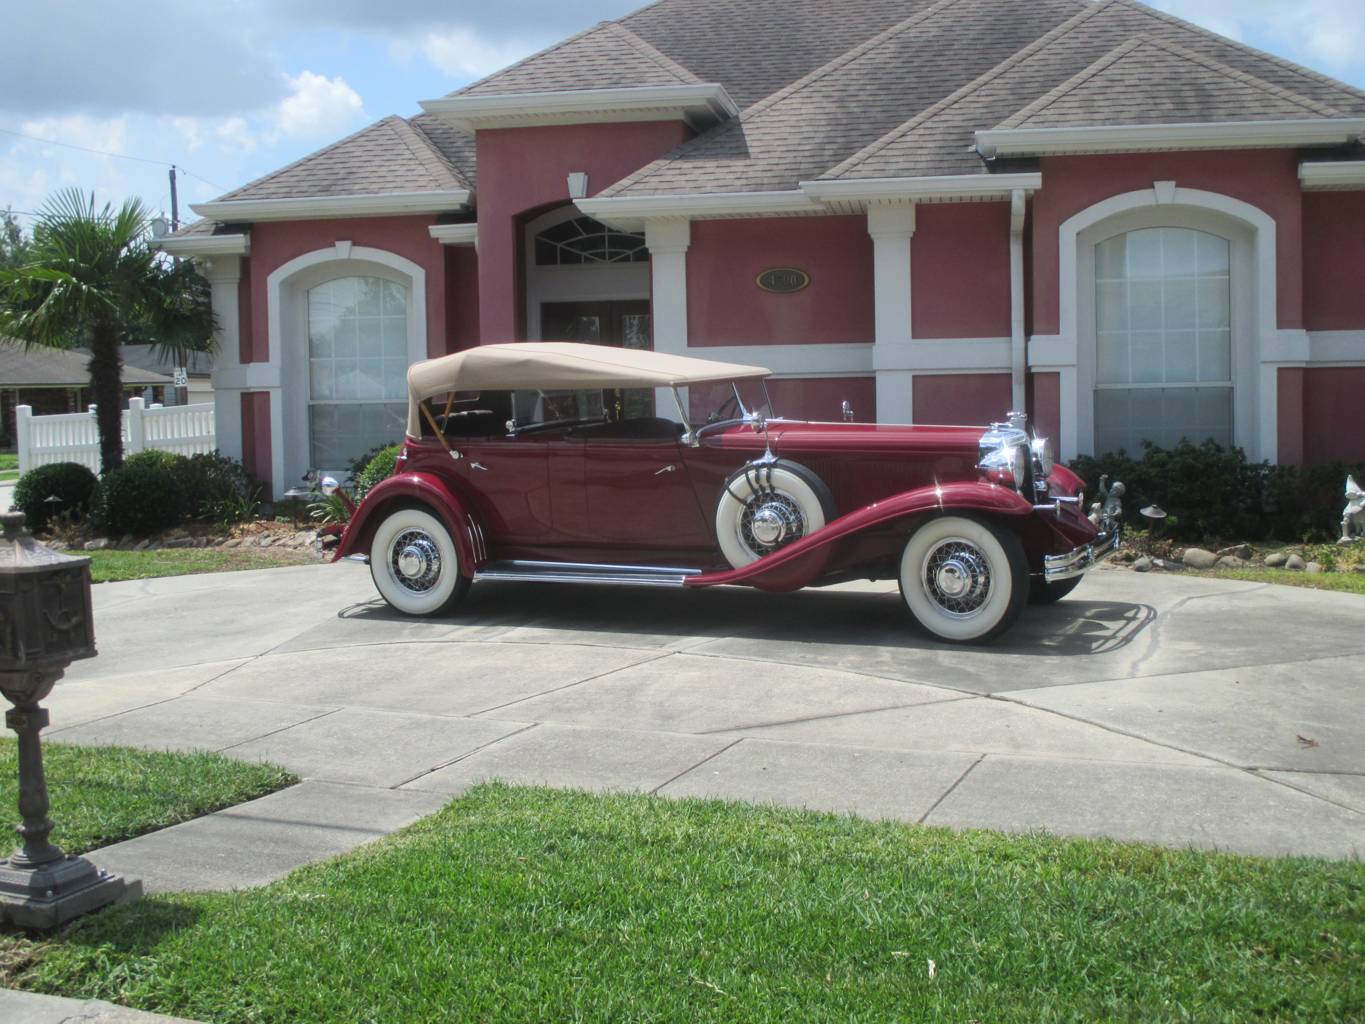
x=727, y=401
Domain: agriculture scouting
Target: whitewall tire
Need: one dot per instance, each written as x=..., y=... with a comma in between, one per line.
x=767, y=506
x=964, y=580
x=415, y=564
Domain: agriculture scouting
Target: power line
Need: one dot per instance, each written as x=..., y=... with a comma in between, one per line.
x=102, y=152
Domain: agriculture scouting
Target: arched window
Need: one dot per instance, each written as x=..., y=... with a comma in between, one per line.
x=1163, y=339
x=584, y=240
x=357, y=368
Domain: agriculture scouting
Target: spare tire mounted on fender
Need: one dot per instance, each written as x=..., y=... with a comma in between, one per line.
x=767, y=505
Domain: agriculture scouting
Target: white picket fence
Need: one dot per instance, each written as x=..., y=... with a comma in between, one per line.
x=74, y=437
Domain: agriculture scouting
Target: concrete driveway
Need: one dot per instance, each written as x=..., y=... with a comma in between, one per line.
x=1166, y=709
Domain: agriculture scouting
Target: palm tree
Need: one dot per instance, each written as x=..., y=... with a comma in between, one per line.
x=93, y=277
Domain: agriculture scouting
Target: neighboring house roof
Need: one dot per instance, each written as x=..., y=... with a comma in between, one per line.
x=864, y=89
x=22, y=367
x=147, y=357
x=391, y=155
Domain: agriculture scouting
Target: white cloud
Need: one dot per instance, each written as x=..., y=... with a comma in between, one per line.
x=107, y=134
x=463, y=53
x=317, y=107
x=1325, y=33
x=235, y=133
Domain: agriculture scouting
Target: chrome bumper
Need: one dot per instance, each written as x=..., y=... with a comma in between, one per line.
x=1078, y=560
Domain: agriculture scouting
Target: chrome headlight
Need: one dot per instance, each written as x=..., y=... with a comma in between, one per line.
x=1011, y=458
x=1042, y=455
x=329, y=486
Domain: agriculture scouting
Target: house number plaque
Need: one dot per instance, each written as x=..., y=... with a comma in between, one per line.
x=783, y=280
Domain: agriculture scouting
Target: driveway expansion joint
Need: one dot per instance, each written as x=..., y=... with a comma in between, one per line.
x=949, y=791
x=688, y=771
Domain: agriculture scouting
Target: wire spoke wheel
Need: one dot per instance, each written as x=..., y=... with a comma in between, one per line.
x=965, y=580
x=415, y=564
x=767, y=506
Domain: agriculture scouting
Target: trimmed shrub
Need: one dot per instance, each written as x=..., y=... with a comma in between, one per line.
x=155, y=457
x=217, y=487
x=1214, y=493
x=380, y=467
x=47, y=492
x=138, y=499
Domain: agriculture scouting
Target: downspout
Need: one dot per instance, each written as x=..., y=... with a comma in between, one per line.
x=1018, y=343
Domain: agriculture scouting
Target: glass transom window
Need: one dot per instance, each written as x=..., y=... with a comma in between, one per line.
x=357, y=368
x=584, y=240
x=1163, y=339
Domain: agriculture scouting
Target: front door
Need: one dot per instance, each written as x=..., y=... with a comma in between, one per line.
x=624, y=324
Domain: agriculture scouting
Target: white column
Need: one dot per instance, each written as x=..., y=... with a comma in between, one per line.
x=891, y=226
x=668, y=241
x=23, y=430
x=137, y=425
x=1018, y=343
x=224, y=274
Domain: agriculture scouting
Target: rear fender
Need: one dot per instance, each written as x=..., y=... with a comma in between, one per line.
x=800, y=563
x=424, y=490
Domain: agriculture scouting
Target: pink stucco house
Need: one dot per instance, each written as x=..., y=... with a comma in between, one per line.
x=1135, y=228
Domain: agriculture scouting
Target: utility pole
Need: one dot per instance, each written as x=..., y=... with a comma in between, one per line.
x=175, y=203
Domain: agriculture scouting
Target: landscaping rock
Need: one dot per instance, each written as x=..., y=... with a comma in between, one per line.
x=1314, y=567
x=178, y=542
x=1242, y=551
x=266, y=540
x=1166, y=565
x=1276, y=560
x=1143, y=564
x=1198, y=558
x=142, y=545
x=1233, y=562
x=1295, y=562
x=98, y=544
x=232, y=542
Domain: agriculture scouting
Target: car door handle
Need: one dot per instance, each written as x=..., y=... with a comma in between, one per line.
x=478, y=465
x=666, y=469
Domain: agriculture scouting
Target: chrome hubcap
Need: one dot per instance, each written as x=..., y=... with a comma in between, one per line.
x=957, y=577
x=771, y=520
x=416, y=561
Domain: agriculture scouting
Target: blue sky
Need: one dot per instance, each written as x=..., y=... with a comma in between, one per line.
x=232, y=89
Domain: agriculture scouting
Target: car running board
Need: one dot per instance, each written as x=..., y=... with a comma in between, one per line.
x=583, y=572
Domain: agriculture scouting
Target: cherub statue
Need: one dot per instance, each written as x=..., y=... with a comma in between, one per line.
x=1353, y=519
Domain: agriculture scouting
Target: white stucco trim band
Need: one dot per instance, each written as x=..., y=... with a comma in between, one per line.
x=455, y=234
x=631, y=213
x=1326, y=176
x=701, y=105
x=324, y=207
x=1317, y=131
x=205, y=245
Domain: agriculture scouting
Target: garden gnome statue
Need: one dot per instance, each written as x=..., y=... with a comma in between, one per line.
x=1353, y=519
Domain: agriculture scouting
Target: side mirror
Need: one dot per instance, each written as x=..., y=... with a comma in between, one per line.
x=847, y=408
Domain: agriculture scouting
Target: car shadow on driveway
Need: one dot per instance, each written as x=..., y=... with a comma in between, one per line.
x=567, y=613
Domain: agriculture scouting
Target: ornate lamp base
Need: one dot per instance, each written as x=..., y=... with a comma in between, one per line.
x=51, y=894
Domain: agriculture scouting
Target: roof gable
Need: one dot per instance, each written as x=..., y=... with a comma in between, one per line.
x=802, y=130
x=606, y=56
x=940, y=140
x=1146, y=81
x=387, y=157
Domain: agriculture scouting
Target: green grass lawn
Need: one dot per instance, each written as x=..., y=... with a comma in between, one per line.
x=111, y=566
x=9, y=461
x=529, y=905
x=1343, y=582
x=101, y=795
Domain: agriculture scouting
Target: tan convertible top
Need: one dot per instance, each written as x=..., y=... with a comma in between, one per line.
x=559, y=365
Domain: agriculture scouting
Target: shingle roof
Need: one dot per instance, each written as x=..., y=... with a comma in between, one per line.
x=51, y=367
x=606, y=56
x=388, y=156
x=940, y=140
x=867, y=89
x=1145, y=81
x=801, y=131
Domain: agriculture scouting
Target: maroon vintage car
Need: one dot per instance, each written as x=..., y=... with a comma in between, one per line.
x=545, y=461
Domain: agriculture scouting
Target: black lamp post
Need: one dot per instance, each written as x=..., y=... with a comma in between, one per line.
x=45, y=624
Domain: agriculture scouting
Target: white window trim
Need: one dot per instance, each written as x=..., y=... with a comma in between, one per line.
x=286, y=370
x=1257, y=364
x=588, y=282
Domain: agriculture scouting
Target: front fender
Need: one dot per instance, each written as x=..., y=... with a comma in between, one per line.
x=409, y=489
x=800, y=563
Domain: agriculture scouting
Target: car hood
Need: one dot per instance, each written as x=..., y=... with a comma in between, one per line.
x=879, y=438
